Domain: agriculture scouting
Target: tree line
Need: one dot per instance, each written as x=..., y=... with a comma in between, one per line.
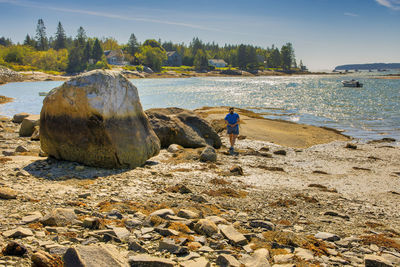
x=79, y=53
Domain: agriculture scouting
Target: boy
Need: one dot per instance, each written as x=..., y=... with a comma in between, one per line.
x=232, y=122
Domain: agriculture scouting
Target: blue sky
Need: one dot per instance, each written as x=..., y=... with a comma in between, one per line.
x=325, y=33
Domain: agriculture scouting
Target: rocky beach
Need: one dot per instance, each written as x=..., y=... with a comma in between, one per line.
x=294, y=195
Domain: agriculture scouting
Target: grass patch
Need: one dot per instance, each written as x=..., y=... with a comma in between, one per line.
x=381, y=241
x=226, y=192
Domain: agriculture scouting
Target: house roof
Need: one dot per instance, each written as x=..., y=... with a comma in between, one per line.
x=171, y=53
x=216, y=61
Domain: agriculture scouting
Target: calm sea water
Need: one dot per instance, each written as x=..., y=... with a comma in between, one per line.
x=370, y=112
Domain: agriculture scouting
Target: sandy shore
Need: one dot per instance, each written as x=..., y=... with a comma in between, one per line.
x=316, y=185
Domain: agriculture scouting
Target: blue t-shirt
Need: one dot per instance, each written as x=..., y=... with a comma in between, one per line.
x=232, y=118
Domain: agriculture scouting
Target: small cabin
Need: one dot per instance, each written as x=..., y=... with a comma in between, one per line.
x=218, y=63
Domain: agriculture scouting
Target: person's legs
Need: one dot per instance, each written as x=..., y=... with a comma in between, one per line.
x=231, y=140
x=234, y=136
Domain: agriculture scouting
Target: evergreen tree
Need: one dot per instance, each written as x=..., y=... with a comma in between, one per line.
x=81, y=37
x=200, y=60
x=41, y=38
x=97, y=51
x=75, y=60
x=61, y=39
x=242, y=61
x=133, y=45
x=5, y=41
x=287, y=56
x=29, y=41
x=87, y=52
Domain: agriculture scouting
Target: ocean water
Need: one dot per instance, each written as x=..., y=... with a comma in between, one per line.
x=371, y=112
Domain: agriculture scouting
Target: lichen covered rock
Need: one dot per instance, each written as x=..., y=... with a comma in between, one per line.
x=97, y=119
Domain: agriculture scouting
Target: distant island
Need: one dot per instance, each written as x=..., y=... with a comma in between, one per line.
x=369, y=66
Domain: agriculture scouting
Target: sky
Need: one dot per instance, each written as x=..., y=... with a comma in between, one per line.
x=324, y=33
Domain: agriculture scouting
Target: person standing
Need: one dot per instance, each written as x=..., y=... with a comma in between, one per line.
x=232, y=120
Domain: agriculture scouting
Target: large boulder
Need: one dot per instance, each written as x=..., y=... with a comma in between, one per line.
x=97, y=119
x=182, y=127
x=7, y=75
x=28, y=125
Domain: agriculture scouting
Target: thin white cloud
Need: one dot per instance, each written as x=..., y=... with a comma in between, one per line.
x=351, y=14
x=106, y=15
x=392, y=4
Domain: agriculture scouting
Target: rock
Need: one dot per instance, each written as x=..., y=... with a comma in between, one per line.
x=44, y=259
x=135, y=246
x=376, y=261
x=28, y=125
x=7, y=75
x=36, y=134
x=33, y=217
x=327, y=236
x=351, y=146
x=170, y=246
x=167, y=232
x=236, y=169
x=199, y=262
x=208, y=154
x=258, y=259
x=162, y=213
x=59, y=217
x=180, y=188
x=174, y=148
x=226, y=260
x=217, y=219
x=262, y=224
x=8, y=193
x=91, y=222
x=233, y=235
x=21, y=149
x=198, y=198
x=283, y=258
x=188, y=214
x=144, y=260
x=182, y=127
x=18, y=118
x=206, y=227
x=14, y=249
x=121, y=232
x=18, y=232
x=335, y=214
x=97, y=119
x=94, y=255
x=395, y=260
x=304, y=254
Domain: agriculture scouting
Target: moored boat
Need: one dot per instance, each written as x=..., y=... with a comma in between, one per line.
x=352, y=83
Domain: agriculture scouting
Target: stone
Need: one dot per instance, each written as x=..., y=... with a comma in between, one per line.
x=188, y=214
x=390, y=257
x=162, y=213
x=170, y=246
x=135, y=246
x=280, y=152
x=31, y=218
x=351, y=146
x=14, y=249
x=44, y=259
x=233, y=235
x=8, y=193
x=144, y=260
x=97, y=119
x=91, y=222
x=59, y=217
x=167, y=232
x=18, y=118
x=217, y=220
x=198, y=199
x=199, y=262
x=258, y=259
x=262, y=224
x=121, y=232
x=28, y=125
x=376, y=261
x=226, y=260
x=18, y=232
x=327, y=236
x=21, y=149
x=208, y=155
x=182, y=127
x=236, y=169
x=94, y=255
x=206, y=227
x=174, y=148
x=36, y=134
x=304, y=254
x=283, y=258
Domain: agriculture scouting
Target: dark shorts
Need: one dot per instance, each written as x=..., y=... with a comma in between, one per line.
x=233, y=130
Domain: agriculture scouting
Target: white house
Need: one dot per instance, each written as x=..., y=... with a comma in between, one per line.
x=218, y=63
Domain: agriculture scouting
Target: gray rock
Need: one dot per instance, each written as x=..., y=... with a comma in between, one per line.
x=199, y=262
x=135, y=246
x=182, y=127
x=233, y=235
x=18, y=232
x=188, y=214
x=208, y=155
x=283, y=258
x=304, y=254
x=94, y=255
x=170, y=246
x=144, y=260
x=121, y=232
x=167, y=232
x=258, y=259
x=376, y=261
x=206, y=227
x=18, y=118
x=226, y=260
x=28, y=125
x=59, y=217
x=395, y=260
x=33, y=217
x=174, y=148
x=162, y=213
x=327, y=236
x=21, y=149
x=262, y=224
x=91, y=222
x=217, y=219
